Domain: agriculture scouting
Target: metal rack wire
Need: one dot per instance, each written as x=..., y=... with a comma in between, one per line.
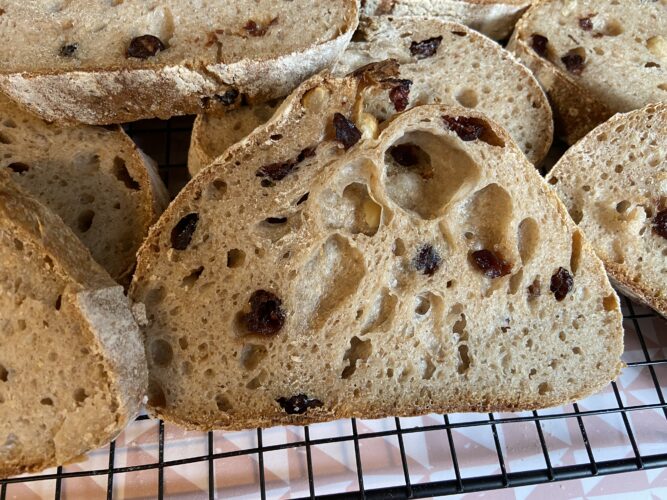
x=646, y=358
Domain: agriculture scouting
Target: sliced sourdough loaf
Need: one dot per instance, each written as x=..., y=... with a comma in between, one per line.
x=110, y=62
x=326, y=267
x=72, y=364
x=440, y=62
x=94, y=178
x=614, y=184
x=494, y=18
x=595, y=58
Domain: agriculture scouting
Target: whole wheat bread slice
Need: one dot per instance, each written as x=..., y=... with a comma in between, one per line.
x=119, y=61
x=594, y=58
x=327, y=267
x=614, y=184
x=72, y=364
x=104, y=188
x=445, y=63
x=494, y=18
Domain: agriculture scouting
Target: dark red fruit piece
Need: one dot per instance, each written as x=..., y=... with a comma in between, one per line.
x=660, y=224
x=427, y=260
x=491, y=263
x=347, y=132
x=539, y=44
x=299, y=404
x=561, y=284
x=425, y=48
x=279, y=170
x=143, y=47
x=266, y=316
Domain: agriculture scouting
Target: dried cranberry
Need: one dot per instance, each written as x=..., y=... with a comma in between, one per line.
x=561, y=284
x=586, y=24
x=660, y=224
x=228, y=98
x=425, y=48
x=399, y=95
x=573, y=62
x=467, y=128
x=299, y=404
x=266, y=316
x=68, y=50
x=18, y=168
x=279, y=170
x=539, y=44
x=406, y=155
x=181, y=235
x=427, y=260
x=491, y=263
x=347, y=132
x=143, y=47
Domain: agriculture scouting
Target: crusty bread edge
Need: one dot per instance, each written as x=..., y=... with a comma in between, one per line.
x=65, y=96
x=576, y=111
x=517, y=404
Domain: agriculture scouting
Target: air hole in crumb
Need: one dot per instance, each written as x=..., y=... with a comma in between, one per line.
x=577, y=248
x=576, y=350
x=4, y=139
x=663, y=86
x=4, y=374
x=544, y=388
x=252, y=355
x=80, y=395
x=562, y=336
x=222, y=403
x=622, y=206
x=46, y=402
x=467, y=98
x=85, y=220
x=610, y=303
x=399, y=247
x=529, y=238
x=612, y=28
x=156, y=397
x=121, y=173
x=422, y=305
x=464, y=357
x=192, y=278
x=59, y=302
x=358, y=350
x=18, y=167
x=235, y=258
x=161, y=352
x=553, y=180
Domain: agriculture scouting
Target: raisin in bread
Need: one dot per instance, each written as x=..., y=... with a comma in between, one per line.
x=72, y=364
x=621, y=204
x=327, y=267
x=494, y=18
x=440, y=62
x=111, y=62
x=95, y=178
x=595, y=58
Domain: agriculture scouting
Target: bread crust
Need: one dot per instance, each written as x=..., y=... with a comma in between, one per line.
x=118, y=94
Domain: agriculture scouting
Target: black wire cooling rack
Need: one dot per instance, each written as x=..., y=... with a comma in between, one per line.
x=635, y=440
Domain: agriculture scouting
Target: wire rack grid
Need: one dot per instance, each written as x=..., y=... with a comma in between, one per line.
x=622, y=429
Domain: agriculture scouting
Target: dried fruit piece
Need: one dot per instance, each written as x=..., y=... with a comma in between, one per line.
x=573, y=61
x=406, y=155
x=585, y=23
x=491, y=263
x=266, y=316
x=425, y=48
x=145, y=46
x=299, y=404
x=181, y=235
x=68, y=50
x=279, y=170
x=254, y=29
x=561, y=284
x=376, y=72
x=347, y=132
x=660, y=224
x=427, y=260
x=469, y=128
x=539, y=44
x=399, y=95
x=229, y=97
x=534, y=289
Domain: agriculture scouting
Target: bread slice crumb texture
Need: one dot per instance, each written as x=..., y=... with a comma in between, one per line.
x=322, y=269
x=614, y=184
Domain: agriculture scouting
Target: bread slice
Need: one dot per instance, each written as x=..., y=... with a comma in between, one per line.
x=594, y=58
x=328, y=268
x=95, y=178
x=72, y=365
x=494, y=18
x=621, y=204
x=114, y=61
x=463, y=68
